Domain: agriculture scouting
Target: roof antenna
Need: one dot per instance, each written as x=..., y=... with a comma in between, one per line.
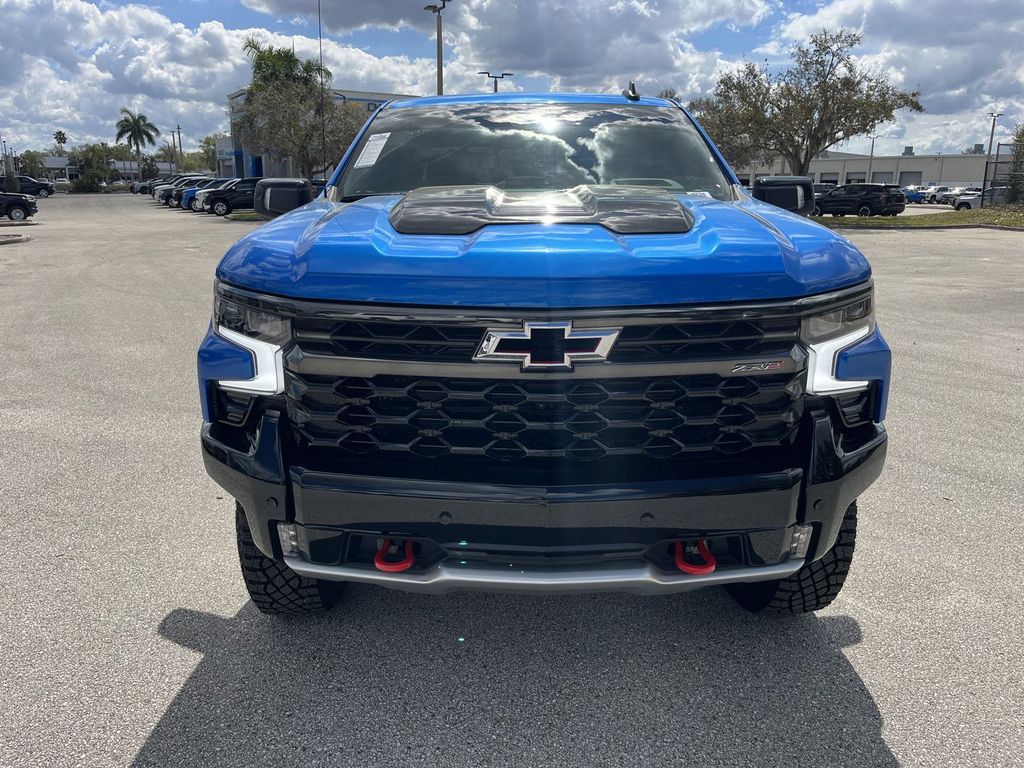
x=630, y=93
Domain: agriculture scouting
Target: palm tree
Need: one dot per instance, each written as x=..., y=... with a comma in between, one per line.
x=136, y=128
x=60, y=138
x=272, y=65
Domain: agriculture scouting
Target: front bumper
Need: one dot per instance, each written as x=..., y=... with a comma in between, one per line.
x=545, y=538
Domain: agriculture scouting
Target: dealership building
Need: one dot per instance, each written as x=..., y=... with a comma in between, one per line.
x=233, y=159
x=906, y=169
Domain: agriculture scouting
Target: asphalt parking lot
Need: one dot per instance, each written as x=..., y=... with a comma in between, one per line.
x=128, y=638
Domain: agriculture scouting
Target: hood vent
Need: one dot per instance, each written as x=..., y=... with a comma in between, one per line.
x=462, y=210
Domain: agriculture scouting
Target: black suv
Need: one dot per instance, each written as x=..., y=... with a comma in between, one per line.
x=16, y=206
x=861, y=199
x=37, y=187
x=240, y=196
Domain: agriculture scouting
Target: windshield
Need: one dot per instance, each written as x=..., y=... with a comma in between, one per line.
x=532, y=147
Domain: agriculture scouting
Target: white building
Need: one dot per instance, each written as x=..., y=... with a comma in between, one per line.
x=906, y=169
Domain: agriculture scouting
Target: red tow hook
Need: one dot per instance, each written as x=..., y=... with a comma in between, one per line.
x=709, y=565
x=390, y=566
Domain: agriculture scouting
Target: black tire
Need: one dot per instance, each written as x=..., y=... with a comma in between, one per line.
x=43, y=193
x=811, y=588
x=221, y=207
x=864, y=210
x=17, y=213
x=274, y=587
x=963, y=207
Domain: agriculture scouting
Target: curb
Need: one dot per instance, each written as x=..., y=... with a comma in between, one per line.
x=928, y=229
x=12, y=239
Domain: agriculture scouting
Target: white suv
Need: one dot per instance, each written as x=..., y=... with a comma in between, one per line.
x=974, y=200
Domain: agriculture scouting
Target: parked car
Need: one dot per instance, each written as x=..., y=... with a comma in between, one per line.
x=61, y=185
x=945, y=198
x=634, y=388
x=188, y=195
x=913, y=194
x=199, y=202
x=165, y=191
x=974, y=200
x=180, y=178
x=35, y=187
x=931, y=194
x=861, y=199
x=237, y=197
x=178, y=194
x=950, y=197
x=17, y=206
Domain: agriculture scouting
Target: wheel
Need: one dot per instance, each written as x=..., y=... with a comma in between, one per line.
x=864, y=210
x=273, y=586
x=963, y=207
x=43, y=193
x=812, y=587
x=17, y=213
x=194, y=205
x=221, y=208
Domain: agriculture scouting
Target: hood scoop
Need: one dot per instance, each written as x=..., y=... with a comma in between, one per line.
x=462, y=210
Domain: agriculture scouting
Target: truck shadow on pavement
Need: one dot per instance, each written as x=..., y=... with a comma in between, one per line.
x=395, y=679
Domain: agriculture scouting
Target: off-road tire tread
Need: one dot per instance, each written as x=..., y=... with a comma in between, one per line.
x=274, y=587
x=814, y=586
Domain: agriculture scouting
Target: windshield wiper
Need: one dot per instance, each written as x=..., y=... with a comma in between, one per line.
x=361, y=195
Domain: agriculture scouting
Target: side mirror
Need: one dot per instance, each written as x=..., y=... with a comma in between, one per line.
x=794, y=193
x=276, y=196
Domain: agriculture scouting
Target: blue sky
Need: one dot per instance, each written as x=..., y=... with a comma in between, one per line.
x=72, y=64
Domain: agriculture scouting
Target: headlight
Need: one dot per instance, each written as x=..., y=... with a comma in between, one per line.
x=839, y=322
x=829, y=333
x=250, y=322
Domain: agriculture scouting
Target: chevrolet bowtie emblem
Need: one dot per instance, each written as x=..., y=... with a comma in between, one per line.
x=546, y=345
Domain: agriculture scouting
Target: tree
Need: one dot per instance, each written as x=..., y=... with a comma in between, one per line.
x=32, y=163
x=289, y=111
x=824, y=97
x=93, y=163
x=273, y=66
x=1016, y=173
x=138, y=130
x=668, y=93
x=208, y=148
x=60, y=139
x=149, y=167
x=286, y=122
x=737, y=145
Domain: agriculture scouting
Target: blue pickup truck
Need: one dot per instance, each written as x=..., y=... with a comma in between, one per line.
x=543, y=343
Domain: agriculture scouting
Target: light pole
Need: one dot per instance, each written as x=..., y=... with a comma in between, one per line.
x=871, y=158
x=436, y=8
x=991, y=134
x=496, y=78
x=988, y=160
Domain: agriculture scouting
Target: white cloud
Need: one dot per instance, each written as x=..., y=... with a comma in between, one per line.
x=72, y=64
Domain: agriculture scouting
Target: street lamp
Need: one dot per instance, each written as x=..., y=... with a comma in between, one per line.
x=496, y=78
x=871, y=158
x=991, y=134
x=436, y=8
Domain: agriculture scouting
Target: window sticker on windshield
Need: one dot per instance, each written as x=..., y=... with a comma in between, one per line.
x=371, y=150
x=699, y=193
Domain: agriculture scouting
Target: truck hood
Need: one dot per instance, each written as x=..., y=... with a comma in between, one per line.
x=733, y=251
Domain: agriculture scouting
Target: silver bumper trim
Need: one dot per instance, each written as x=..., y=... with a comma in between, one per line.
x=636, y=577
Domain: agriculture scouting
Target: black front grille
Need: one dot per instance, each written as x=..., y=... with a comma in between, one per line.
x=578, y=420
x=439, y=342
